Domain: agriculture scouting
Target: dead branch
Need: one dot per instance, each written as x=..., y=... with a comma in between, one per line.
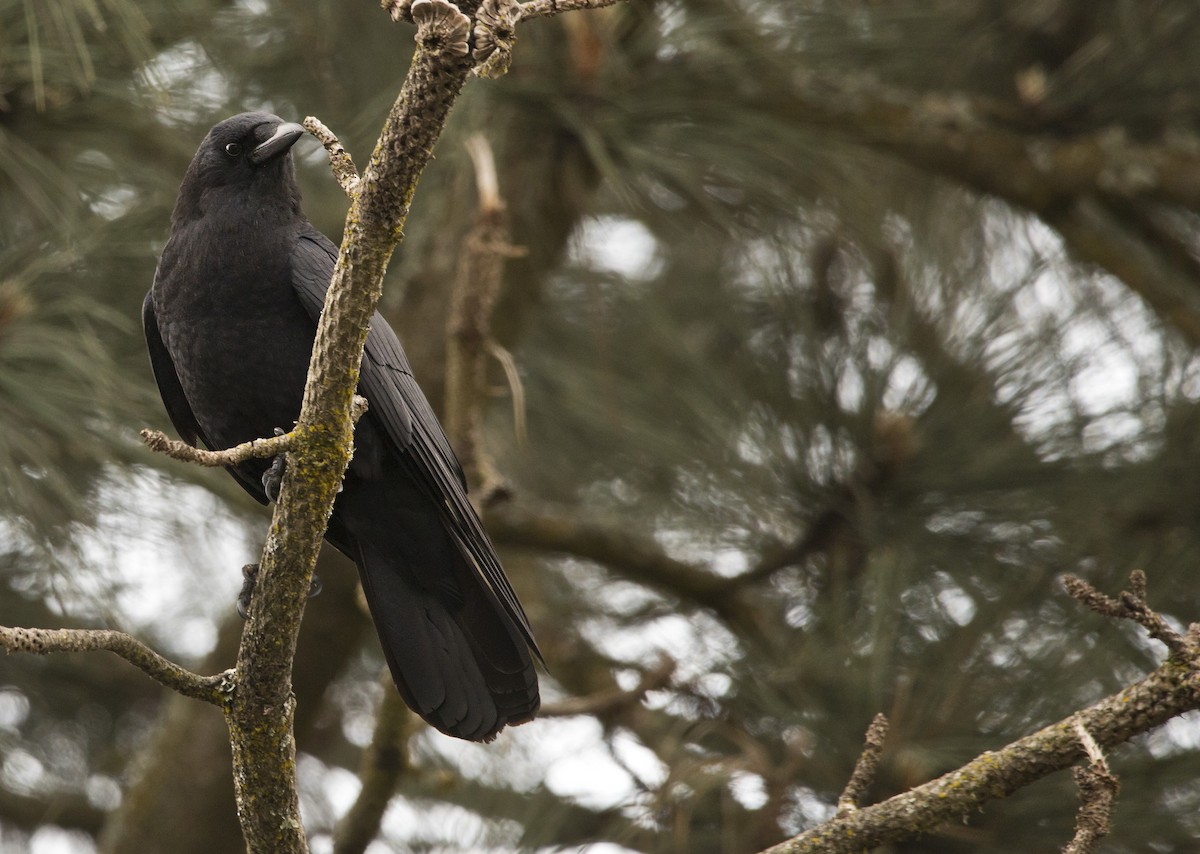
x=211, y=689
x=865, y=768
x=1172, y=689
x=543, y=8
x=1130, y=605
x=259, y=449
x=340, y=161
x=254, y=449
x=1098, y=790
x=516, y=388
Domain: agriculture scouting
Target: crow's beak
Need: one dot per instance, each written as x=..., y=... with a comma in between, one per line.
x=277, y=144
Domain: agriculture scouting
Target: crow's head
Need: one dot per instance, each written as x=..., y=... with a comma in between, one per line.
x=243, y=160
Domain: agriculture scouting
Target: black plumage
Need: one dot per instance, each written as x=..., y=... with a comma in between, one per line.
x=230, y=323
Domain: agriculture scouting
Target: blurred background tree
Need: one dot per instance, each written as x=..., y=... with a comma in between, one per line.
x=844, y=329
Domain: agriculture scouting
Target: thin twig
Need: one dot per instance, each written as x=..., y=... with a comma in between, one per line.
x=211, y=689
x=1130, y=605
x=254, y=449
x=866, y=767
x=1098, y=789
x=340, y=161
x=158, y=441
x=515, y=387
x=543, y=8
x=487, y=182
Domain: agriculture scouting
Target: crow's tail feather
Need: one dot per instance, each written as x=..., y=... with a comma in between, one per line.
x=461, y=667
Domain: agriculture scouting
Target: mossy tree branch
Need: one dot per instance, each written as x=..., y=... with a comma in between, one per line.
x=261, y=710
x=1171, y=690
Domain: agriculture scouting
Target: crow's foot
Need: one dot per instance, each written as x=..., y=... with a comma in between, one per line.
x=250, y=577
x=272, y=478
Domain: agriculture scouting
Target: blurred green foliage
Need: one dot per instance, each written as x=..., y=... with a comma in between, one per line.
x=740, y=329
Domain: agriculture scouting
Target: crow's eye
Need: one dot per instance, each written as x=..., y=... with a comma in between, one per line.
x=233, y=149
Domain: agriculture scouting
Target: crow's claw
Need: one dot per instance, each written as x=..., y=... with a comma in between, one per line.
x=250, y=575
x=272, y=478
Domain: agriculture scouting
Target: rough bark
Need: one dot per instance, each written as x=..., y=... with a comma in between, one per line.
x=1172, y=689
x=261, y=710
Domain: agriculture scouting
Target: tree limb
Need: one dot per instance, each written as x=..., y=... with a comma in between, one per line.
x=1074, y=182
x=211, y=689
x=1172, y=689
x=639, y=559
x=260, y=715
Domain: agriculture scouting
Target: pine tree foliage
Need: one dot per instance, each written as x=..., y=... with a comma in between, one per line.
x=823, y=394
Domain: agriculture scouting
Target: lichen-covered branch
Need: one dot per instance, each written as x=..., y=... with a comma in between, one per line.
x=254, y=449
x=260, y=714
x=211, y=689
x=158, y=441
x=865, y=768
x=340, y=161
x=1171, y=690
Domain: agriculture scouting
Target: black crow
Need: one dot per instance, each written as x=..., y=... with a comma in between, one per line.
x=230, y=323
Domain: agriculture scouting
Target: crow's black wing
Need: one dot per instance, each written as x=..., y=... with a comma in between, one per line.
x=175, y=400
x=397, y=404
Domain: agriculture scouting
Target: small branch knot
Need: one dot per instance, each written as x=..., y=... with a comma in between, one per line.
x=495, y=36
x=399, y=10
x=441, y=28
